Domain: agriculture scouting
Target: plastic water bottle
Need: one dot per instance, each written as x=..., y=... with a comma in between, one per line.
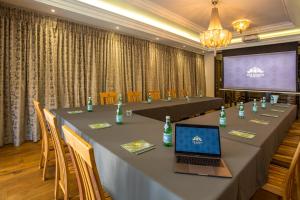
x=90, y=104
x=222, y=120
x=167, y=137
x=241, y=111
x=254, y=107
x=263, y=103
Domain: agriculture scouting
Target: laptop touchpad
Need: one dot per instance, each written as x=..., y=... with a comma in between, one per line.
x=202, y=170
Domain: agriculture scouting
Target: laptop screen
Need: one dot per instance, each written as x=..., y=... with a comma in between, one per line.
x=197, y=139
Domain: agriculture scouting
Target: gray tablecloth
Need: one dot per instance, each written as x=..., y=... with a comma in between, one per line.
x=268, y=137
x=150, y=176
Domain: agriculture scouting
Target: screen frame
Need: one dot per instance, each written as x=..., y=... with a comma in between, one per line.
x=257, y=89
x=198, y=126
x=272, y=48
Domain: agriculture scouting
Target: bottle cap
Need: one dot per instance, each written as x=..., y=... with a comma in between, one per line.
x=168, y=117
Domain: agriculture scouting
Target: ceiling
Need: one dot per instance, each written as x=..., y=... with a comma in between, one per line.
x=260, y=12
x=178, y=22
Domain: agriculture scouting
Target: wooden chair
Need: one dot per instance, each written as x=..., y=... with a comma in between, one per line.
x=64, y=172
x=108, y=98
x=171, y=93
x=280, y=179
x=184, y=93
x=155, y=94
x=47, y=142
x=83, y=159
x=133, y=96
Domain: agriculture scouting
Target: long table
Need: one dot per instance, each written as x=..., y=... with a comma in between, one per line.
x=268, y=137
x=150, y=175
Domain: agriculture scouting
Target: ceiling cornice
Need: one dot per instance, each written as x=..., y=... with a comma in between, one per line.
x=292, y=38
x=100, y=14
x=165, y=13
x=267, y=28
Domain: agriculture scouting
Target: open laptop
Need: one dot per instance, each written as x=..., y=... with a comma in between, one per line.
x=198, y=151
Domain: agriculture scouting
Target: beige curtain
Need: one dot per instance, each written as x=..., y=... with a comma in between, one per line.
x=61, y=63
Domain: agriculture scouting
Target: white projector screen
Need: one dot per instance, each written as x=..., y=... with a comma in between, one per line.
x=270, y=71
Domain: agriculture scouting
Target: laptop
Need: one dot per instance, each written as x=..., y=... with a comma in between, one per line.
x=198, y=151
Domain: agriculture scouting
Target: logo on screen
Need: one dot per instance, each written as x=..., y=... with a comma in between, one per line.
x=255, y=72
x=197, y=140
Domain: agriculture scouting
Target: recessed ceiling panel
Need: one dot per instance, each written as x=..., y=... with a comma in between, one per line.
x=260, y=12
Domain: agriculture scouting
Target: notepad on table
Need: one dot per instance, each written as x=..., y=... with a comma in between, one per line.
x=262, y=122
x=75, y=112
x=282, y=105
x=138, y=146
x=277, y=110
x=243, y=134
x=100, y=125
x=269, y=115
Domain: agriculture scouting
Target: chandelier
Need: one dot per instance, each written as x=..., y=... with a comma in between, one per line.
x=215, y=37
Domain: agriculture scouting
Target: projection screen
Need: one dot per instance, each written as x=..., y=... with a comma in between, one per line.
x=270, y=71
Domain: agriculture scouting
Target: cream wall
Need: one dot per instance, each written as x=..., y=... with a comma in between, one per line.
x=209, y=64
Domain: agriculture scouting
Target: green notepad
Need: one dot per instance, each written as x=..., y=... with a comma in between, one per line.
x=100, y=125
x=243, y=134
x=262, y=122
x=138, y=146
x=75, y=112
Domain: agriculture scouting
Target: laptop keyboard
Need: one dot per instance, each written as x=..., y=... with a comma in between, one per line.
x=199, y=161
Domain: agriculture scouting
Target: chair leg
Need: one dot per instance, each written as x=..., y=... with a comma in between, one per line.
x=56, y=189
x=45, y=166
x=297, y=176
x=42, y=157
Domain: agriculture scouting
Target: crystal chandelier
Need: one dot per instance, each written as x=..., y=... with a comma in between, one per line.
x=215, y=37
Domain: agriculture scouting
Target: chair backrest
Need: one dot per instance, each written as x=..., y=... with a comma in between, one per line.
x=155, y=94
x=41, y=118
x=108, y=98
x=60, y=153
x=289, y=181
x=134, y=96
x=172, y=93
x=184, y=93
x=84, y=161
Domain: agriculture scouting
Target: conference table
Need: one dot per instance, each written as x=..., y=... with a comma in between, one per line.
x=150, y=175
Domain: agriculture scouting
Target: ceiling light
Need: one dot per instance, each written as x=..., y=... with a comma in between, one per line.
x=52, y=10
x=215, y=37
x=241, y=25
x=183, y=46
x=117, y=27
x=157, y=38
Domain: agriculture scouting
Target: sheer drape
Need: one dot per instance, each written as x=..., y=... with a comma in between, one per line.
x=62, y=63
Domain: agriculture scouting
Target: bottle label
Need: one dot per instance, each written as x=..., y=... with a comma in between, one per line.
x=167, y=139
x=241, y=113
x=263, y=105
x=254, y=108
x=119, y=118
x=89, y=107
x=222, y=121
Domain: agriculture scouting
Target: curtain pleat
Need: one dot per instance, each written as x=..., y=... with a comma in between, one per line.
x=61, y=63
